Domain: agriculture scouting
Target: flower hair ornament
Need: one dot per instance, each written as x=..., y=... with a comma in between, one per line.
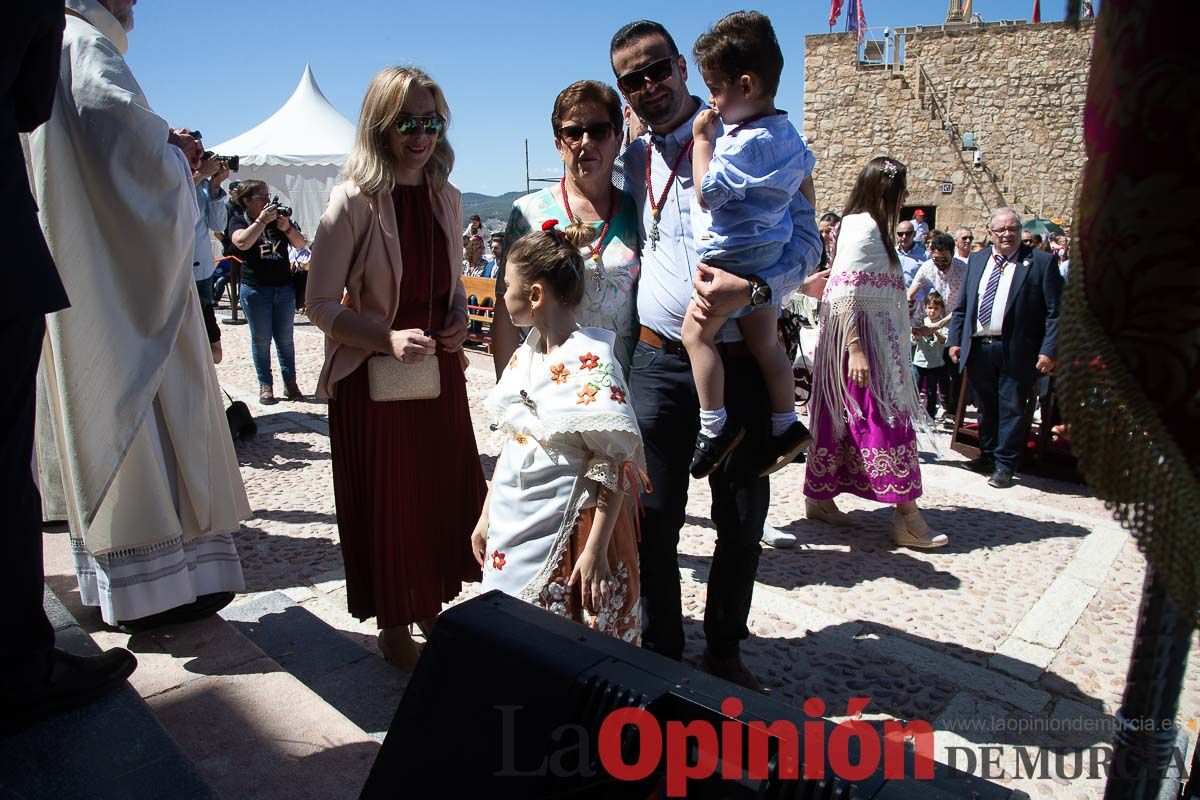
x=890, y=169
x=549, y=227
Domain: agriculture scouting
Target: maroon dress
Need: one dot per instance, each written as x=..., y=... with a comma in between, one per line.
x=406, y=477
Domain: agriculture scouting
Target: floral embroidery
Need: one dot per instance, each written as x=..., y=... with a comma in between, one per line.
x=512, y=362
x=559, y=373
x=587, y=395
x=887, y=474
x=589, y=361
x=519, y=439
x=857, y=277
x=497, y=560
x=618, y=394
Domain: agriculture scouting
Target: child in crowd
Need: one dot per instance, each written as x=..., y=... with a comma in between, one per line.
x=556, y=530
x=932, y=372
x=747, y=180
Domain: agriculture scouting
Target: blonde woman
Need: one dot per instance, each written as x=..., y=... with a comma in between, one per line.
x=406, y=477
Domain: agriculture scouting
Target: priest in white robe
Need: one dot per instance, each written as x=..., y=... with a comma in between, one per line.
x=149, y=476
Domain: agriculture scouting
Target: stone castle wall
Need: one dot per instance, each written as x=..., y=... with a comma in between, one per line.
x=1019, y=88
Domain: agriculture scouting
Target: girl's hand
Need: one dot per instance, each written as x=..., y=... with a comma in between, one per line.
x=594, y=577
x=411, y=346
x=479, y=539
x=860, y=372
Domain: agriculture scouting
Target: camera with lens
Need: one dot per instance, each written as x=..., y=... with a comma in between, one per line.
x=284, y=211
x=233, y=162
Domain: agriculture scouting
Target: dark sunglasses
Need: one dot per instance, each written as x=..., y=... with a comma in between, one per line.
x=966, y=238
x=597, y=132
x=904, y=233
x=407, y=126
x=657, y=72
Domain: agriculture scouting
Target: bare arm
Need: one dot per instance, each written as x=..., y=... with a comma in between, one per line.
x=592, y=571
x=809, y=190
x=704, y=130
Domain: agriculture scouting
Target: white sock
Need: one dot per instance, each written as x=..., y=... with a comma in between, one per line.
x=712, y=422
x=781, y=422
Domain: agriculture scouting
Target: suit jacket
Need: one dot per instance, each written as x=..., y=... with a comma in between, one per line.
x=1030, y=324
x=29, y=68
x=356, y=266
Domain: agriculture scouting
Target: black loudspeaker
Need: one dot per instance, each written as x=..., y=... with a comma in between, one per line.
x=510, y=701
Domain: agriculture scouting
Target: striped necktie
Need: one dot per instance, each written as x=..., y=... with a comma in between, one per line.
x=989, y=294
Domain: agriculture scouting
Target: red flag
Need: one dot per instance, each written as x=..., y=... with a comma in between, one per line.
x=861, y=21
x=1037, y=11
x=835, y=11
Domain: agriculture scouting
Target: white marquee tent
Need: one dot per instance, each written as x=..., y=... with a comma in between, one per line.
x=299, y=151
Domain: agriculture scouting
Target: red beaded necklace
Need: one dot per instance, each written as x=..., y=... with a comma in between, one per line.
x=597, y=249
x=656, y=208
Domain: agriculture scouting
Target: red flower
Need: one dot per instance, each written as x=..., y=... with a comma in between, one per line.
x=618, y=394
x=589, y=361
x=497, y=559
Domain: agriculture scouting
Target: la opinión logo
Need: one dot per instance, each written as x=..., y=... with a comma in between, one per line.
x=740, y=749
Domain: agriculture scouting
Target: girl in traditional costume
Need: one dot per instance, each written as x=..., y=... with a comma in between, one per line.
x=555, y=529
x=864, y=405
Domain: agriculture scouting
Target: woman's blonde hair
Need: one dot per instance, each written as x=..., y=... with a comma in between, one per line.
x=370, y=164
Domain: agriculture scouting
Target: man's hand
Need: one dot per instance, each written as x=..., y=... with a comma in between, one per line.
x=704, y=126
x=219, y=177
x=209, y=166
x=954, y=353
x=719, y=292
x=1046, y=365
x=282, y=223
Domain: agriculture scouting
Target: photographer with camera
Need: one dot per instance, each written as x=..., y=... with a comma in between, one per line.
x=260, y=234
x=209, y=171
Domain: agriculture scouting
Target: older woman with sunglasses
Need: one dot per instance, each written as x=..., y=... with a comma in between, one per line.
x=383, y=280
x=586, y=122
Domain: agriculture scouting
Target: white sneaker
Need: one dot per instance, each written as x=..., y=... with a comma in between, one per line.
x=778, y=538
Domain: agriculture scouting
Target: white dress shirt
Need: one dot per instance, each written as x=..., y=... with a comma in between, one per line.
x=995, y=326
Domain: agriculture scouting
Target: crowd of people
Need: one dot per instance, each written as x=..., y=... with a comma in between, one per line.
x=633, y=338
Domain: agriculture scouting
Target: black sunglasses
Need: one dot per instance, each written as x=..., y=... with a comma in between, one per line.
x=407, y=126
x=656, y=71
x=597, y=132
x=904, y=233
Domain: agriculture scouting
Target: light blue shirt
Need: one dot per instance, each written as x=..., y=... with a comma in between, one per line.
x=214, y=213
x=665, y=285
x=756, y=169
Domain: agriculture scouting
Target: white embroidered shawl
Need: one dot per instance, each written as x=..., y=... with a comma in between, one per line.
x=865, y=297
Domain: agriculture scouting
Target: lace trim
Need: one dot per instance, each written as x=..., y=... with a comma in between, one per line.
x=603, y=471
x=873, y=471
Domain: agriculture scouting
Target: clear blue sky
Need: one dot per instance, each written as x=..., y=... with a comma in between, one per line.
x=223, y=67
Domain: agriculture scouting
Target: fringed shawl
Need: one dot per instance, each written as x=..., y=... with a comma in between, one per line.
x=865, y=298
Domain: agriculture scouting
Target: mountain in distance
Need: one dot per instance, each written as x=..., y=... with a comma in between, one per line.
x=488, y=207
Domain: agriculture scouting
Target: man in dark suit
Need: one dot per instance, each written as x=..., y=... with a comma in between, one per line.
x=35, y=678
x=1004, y=333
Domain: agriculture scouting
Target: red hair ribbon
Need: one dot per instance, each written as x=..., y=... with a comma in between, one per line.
x=549, y=224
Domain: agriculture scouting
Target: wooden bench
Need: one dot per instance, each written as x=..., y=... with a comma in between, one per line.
x=479, y=312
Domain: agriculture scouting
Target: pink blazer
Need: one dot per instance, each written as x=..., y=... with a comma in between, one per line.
x=356, y=267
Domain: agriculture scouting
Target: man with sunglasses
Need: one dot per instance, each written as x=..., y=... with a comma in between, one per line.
x=963, y=239
x=652, y=76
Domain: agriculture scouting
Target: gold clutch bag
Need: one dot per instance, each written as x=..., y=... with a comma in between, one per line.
x=391, y=379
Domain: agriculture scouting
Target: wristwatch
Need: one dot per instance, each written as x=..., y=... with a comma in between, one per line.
x=760, y=292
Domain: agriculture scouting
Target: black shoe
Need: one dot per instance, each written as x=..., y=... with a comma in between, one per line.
x=731, y=669
x=74, y=681
x=786, y=447
x=1001, y=479
x=711, y=451
x=983, y=465
x=203, y=606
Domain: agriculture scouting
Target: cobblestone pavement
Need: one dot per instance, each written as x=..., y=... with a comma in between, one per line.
x=1017, y=634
